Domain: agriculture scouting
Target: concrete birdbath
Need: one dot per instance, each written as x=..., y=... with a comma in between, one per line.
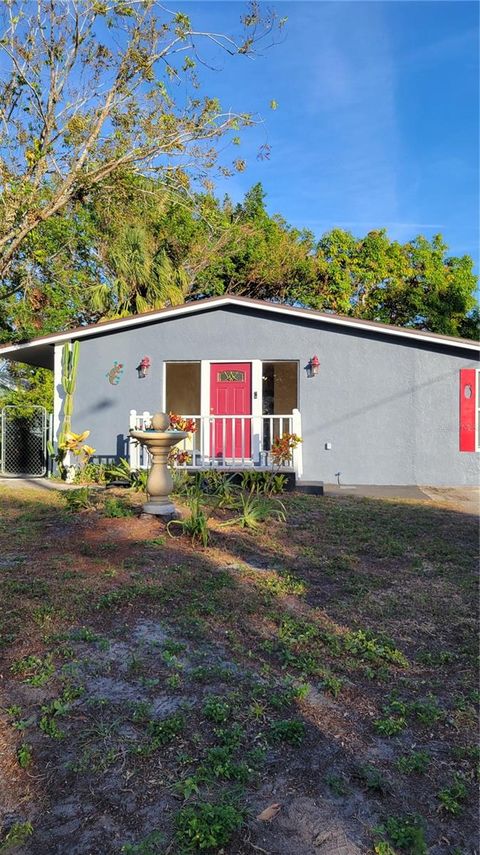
x=159, y=441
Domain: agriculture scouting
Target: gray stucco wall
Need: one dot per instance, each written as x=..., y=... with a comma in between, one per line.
x=388, y=406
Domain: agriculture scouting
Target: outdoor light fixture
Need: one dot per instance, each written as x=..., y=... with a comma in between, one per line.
x=313, y=366
x=144, y=367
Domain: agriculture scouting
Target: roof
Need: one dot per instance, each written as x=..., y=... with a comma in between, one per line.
x=39, y=351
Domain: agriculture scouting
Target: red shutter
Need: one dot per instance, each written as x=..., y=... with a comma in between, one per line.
x=467, y=409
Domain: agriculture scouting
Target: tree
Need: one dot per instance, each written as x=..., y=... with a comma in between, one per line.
x=92, y=89
x=415, y=284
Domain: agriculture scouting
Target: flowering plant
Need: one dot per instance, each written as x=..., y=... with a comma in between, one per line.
x=179, y=456
x=181, y=423
x=283, y=447
x=71, y=442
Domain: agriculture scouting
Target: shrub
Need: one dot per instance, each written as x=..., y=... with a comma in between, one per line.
x=283, y=447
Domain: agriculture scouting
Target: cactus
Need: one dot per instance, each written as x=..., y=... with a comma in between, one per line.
x=69, y=379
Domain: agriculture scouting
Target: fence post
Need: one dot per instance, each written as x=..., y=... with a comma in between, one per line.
x=297, y=452
x=132, y=443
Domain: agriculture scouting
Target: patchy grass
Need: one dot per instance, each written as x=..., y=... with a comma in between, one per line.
x=325, y=663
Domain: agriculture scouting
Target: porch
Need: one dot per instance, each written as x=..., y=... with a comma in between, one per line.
x=229, y=442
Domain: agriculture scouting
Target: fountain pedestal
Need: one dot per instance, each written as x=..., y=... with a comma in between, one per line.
x=159, y=443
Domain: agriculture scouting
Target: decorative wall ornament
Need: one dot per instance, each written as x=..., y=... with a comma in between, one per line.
x=115, y=373
x=144, y=367
x=313, y=366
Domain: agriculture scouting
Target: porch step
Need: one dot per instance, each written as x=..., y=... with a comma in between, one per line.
x=313, y=488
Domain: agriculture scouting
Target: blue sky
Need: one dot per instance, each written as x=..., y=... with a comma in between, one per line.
x=377, y=119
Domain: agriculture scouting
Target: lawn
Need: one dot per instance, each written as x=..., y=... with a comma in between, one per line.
x=308, y=688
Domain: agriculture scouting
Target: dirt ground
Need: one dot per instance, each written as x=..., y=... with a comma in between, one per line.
x=158, y=697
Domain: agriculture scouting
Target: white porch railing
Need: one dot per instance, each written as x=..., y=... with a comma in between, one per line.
x=239, y=442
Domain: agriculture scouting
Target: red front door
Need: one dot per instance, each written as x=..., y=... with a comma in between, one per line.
x=231, y=395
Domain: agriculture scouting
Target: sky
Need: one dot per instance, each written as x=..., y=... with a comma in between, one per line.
x=377, y=117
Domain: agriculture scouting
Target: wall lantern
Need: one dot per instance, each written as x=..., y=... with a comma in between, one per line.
x=313, y=366
x=144, y=367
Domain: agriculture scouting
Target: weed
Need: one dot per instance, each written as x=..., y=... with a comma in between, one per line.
x=287, y=730
x=187, y=787
x=390, y=726
x=24, y=755
x=333, y=684
x=294, y=631
x=216, y=709
x=371, y=778
x=19, y=723
x=365, y=645
x=206, y=826
x=257, y=710
x=451, y=797
x=50, y=727
x=174, y=682
x=148, y=846
x=78, y=500
x=427, y=710
x=38, y=670
x=415, y=762
x=230, y=737
x=162, y=732
x=337, y=784
x=405, y=832
x=84, y=633
x=283, y=582
x=114, y=507
x=129, y=593
x=383, y=848
x=141, y=711
x=155, y=541
x=220, y=765
x=442, y=657
x=16, y=836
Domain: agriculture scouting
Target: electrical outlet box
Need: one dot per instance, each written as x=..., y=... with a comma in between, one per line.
x=328, y=446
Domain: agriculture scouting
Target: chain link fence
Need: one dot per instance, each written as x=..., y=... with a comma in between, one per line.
x=23, y=441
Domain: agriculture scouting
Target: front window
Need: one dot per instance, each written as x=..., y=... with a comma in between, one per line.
x=183, y=388
x=279, y=388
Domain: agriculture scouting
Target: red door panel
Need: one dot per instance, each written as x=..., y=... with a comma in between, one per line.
x=231, y=395
x=468, y=407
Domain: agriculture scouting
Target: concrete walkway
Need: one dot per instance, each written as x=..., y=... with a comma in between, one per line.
x=40, y=484
x=466, y=499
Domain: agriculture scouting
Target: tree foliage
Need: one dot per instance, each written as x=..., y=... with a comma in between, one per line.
x=134, y=244
x=93, y=87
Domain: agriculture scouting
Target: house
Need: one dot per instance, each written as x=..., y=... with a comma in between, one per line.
x=373, y=403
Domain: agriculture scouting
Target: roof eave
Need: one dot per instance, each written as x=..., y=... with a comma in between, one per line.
x=104, y=327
